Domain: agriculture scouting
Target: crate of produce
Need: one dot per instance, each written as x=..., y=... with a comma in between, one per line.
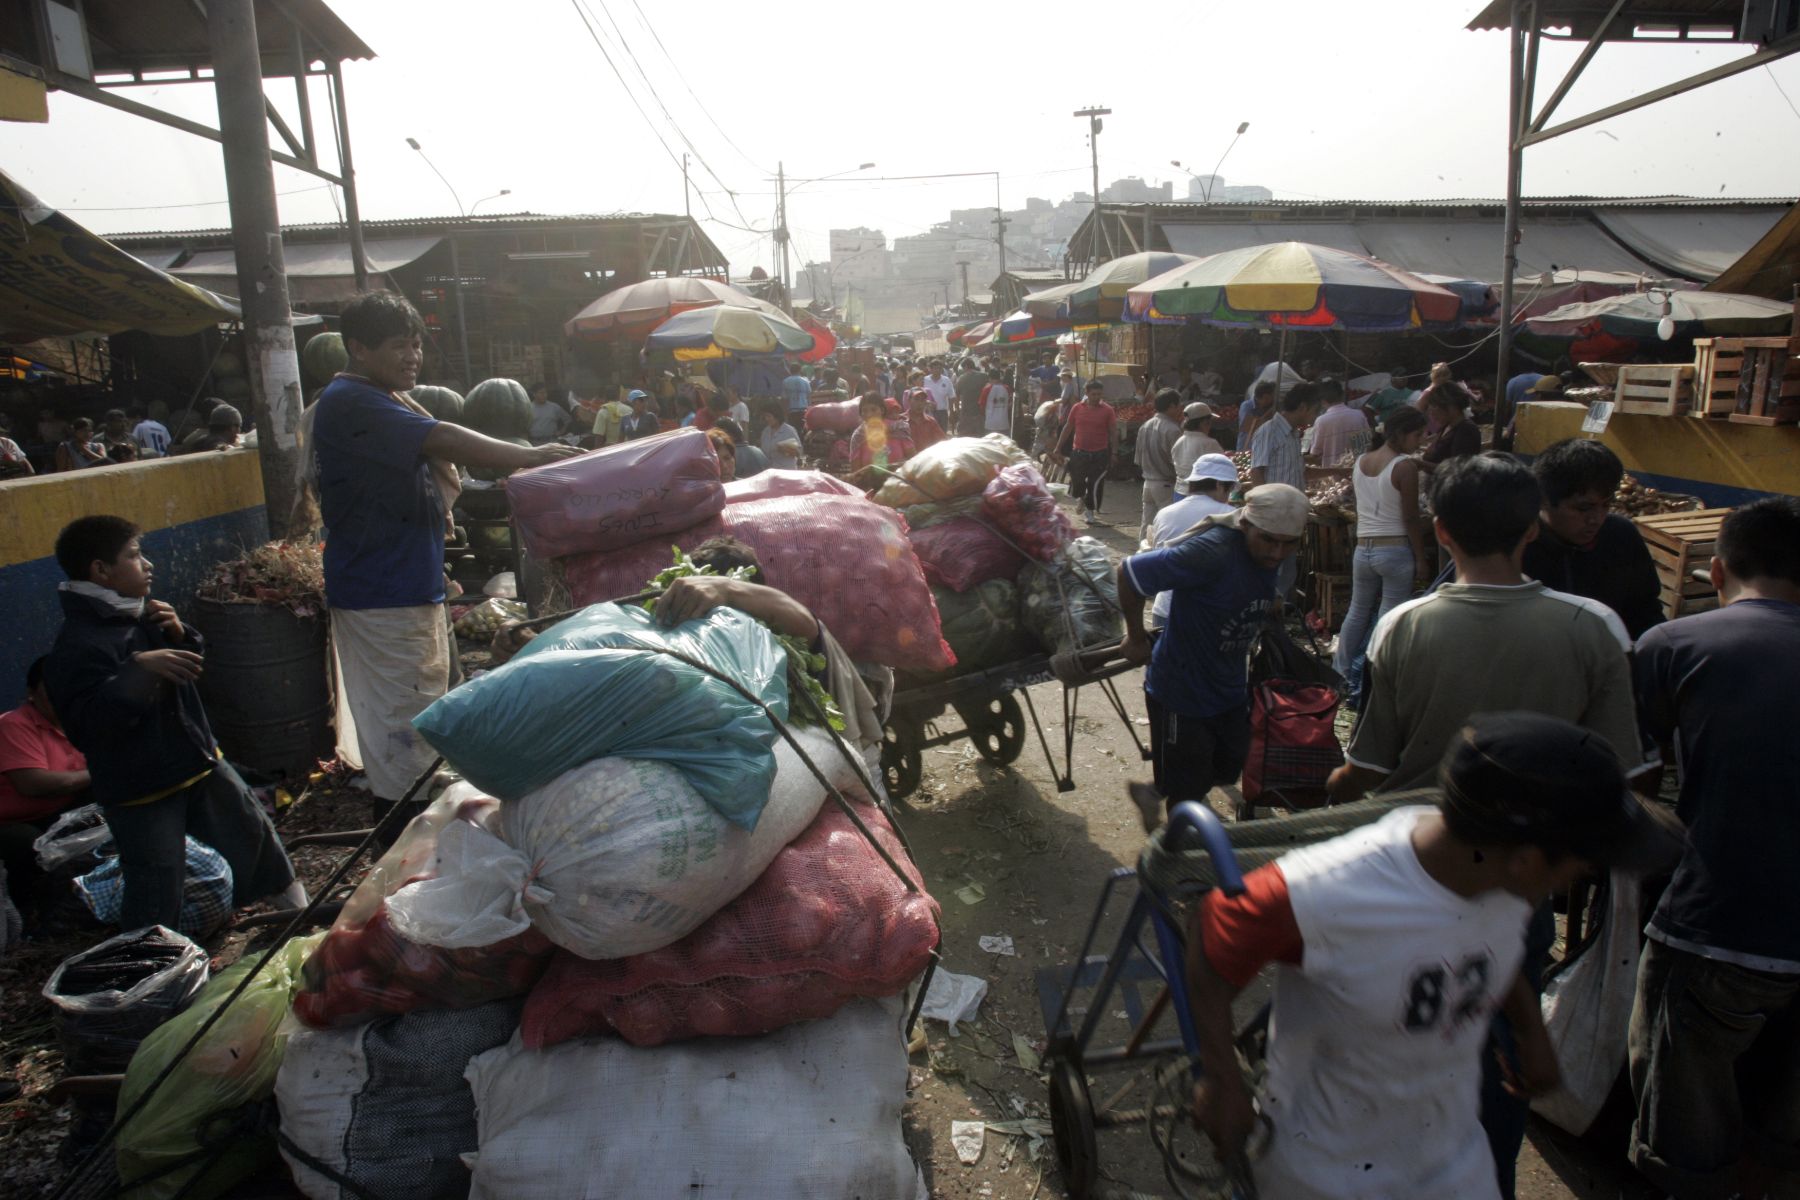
x=1681, y=544
x=1655, y=389
x=1752, y=381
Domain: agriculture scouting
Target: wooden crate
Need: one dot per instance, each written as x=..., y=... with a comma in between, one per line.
x=1681, y=544
x=1655, y=389
x=1331, y=598
x=1752, y=381
x=1326, y=545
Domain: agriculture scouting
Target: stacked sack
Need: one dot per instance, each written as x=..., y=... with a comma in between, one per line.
x=636, y=857
x=1008, y=574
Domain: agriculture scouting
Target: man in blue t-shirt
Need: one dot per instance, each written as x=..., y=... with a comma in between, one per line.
x=797, y=388
x=1221, y=582
x=1715, y=1033
x=386, y=482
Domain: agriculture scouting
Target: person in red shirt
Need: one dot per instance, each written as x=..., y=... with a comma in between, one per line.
x=1087, y=442
x=925, y=429
x=41, y=776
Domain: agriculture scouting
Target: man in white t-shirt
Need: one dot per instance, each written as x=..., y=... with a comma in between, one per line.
x=1395, y=945
x=940, y=387
x=1209, y=482
x=996, y=399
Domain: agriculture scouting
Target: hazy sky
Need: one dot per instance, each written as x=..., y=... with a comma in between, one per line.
x=1385, y=100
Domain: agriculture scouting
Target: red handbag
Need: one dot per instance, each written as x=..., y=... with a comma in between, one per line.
x=1293, y=744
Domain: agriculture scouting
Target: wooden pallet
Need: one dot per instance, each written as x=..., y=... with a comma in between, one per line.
x=1752, y=381
x=1655, y=389
x=1682, y=544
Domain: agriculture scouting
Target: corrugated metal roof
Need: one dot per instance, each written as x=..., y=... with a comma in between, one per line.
x=335, y=229
x=1582, y=17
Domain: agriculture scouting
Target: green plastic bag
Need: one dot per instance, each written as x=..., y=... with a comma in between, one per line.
x=596, y=686
x=982, y=626
x=206, y=1109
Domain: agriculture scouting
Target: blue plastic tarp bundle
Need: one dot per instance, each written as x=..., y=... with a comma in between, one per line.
x=598, y=685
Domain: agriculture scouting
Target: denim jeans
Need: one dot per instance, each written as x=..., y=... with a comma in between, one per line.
x=1380, y=579
x=1715, y=1071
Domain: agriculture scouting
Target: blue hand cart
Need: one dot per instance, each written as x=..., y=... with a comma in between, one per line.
x=1190, y=855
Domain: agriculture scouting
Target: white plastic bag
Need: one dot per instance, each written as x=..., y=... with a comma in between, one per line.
x=477, y=897
x=1587, y=1011
x=810, y=1111
x=77, y=832
x=625, y=857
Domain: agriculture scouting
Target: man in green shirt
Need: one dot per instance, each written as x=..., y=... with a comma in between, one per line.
x=1491, y=641
x=1390, y=397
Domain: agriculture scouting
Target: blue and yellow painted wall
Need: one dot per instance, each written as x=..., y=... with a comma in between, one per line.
x=196, y=511
x=1724, y=464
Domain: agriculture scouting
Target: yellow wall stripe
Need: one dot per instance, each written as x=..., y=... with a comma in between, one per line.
x=156, y=494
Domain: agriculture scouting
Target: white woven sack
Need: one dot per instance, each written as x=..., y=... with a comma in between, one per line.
x=810, y=1111
x=625, y=857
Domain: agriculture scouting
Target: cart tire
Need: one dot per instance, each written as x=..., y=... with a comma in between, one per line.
x=902, y=757
x=997, y=728
x=1072, y=1127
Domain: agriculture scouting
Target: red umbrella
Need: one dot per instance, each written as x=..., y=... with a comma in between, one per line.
x=824, y=341
x=632, y=311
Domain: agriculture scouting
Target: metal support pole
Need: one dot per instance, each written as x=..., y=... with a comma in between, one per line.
x=273, y=367
x=781, y=233
x=462, y=320
x=1516, y=114
x=359, y=262
x=1000, y=222
x=1094, y=126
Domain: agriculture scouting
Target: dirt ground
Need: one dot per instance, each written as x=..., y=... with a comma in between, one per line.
x=1033, y=859
x=1042, y=856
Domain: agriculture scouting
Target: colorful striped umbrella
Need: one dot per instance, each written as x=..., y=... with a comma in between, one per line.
x=729, y=331
x=1111, y=280
x=1693, y=314
x=1294, y=285
x=1023, y=326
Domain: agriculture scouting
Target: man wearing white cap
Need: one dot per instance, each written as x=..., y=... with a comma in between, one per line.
x=1221, y=578
x=1208, y=482
x=1196, y=438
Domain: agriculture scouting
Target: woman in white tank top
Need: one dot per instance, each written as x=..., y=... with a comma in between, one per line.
x=1390, y=533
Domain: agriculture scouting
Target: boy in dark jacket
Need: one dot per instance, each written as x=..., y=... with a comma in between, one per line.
x=122, y=680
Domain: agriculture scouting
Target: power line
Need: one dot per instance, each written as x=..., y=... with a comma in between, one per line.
x=670, y=116
x=1777, y=82
x=645, y=19
x=617, y=74
x=326, y=187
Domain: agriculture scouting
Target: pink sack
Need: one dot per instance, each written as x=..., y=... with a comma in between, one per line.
x=1019, y=504
x=616, y=497
x=962, y=553
x=839, y=416
x=847, y=559
x=777, y=482
x=827, y=922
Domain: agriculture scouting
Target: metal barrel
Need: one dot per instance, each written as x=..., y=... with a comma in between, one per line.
x=266, y=685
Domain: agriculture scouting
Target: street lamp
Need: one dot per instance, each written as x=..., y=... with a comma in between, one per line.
x=485, y=199
x=1206, y=195
x=462, y=319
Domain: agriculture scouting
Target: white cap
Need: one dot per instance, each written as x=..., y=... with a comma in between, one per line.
x=1213, y=466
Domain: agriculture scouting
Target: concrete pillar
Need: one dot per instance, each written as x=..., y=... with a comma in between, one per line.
x=272, y=365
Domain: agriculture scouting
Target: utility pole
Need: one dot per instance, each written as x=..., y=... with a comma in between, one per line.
x=1001, y=221
x=781, y=231
x=1095, y=125
x=687, y=200
x=256, y=240
x=963, y=265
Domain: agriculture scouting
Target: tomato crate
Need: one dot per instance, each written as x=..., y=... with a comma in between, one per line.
x=1680, y=545
x=1655, y=389
x=1751, y=381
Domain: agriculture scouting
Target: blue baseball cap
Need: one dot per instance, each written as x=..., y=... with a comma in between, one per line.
x=636, y=394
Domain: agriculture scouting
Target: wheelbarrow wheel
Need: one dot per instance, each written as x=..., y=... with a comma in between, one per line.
x=902, y=757
x=1072, y=1128
x=997, y=727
